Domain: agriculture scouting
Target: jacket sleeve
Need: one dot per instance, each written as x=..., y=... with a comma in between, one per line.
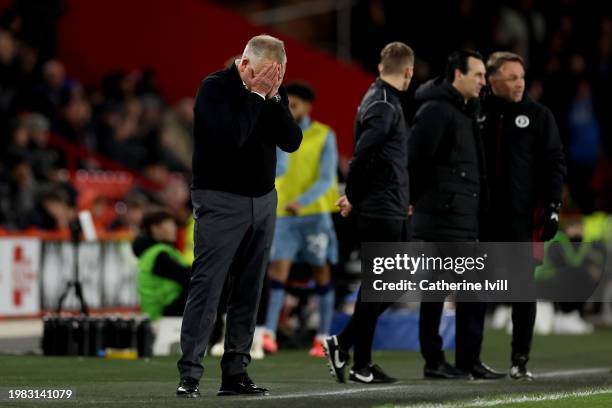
x=225, y=119
x=427, y=130
x=168, y=268
x=376, y=124
x=552, y=161
x=287, y=133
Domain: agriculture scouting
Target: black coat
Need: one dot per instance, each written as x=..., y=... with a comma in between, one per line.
x=448, y=189
x=525, y=164
x=235, y=136
x=377, y=183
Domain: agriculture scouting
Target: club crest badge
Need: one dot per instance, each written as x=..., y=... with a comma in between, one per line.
x=521, y=121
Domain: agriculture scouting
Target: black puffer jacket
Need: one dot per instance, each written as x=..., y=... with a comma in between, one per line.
x=446, y=165
x=377, y=183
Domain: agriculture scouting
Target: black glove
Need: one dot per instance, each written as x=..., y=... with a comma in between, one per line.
x=550, y=221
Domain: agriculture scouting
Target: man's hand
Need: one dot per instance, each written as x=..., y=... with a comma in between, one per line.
x=265, y=80
x=277, y=84
x=550, y=222
x=293, y=208
x=344, y=205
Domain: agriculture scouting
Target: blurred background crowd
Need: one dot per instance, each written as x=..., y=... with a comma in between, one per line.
x=51, y=126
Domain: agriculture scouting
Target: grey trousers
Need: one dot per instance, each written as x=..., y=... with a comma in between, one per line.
x=233, y=233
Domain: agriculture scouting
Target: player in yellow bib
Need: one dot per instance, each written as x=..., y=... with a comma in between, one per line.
x=307, y=191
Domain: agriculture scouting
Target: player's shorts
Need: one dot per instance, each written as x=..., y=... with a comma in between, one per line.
x=310, y=239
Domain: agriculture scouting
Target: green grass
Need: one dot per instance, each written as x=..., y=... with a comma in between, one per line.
x=293, y=377
x=590, y=401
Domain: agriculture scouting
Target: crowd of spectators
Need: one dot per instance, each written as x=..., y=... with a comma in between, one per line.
x=124, y=121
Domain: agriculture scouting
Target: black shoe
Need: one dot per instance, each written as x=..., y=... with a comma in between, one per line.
x=337, y=359
x=188, y=388
x=520, y=372
x=240, y=384
x=481, y=371
x=445, y=371
x=371, y=374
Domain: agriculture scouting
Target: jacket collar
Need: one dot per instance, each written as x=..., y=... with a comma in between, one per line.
x=387, y=86
x=502, y=105
x=234, y=76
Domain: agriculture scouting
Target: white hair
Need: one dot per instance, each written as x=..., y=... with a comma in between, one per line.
x=263, y=47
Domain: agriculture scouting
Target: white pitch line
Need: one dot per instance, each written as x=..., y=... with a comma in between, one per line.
x=480, y=402
x=551, y=374
x=570, y=373
x=333, y=393
x=535, y=398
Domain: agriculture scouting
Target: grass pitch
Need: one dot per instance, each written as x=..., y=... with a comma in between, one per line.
x=570, y=372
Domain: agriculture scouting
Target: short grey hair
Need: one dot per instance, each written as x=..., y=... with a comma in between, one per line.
x=265, y=46
x=497, y=59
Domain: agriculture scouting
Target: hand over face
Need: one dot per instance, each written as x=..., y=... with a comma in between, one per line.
x=279, y=81
x=265, y=80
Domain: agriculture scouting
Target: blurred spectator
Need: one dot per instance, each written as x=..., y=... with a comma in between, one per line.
x=130, y=212
x=20, y=139
x=118, y=137
x=74, y=120
x=9, y=77
x=583, y=150
x=163, y=276
x=152, y=110
x=45, y=160
x=9, y=67
x=175, y=196
x=176, y=131
x=55, y=86
x=602, y=82
x=17, y=191
x=129, y=131
x=53, y=210
x=157, y=171
x=521, y=29
x=151, y=131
